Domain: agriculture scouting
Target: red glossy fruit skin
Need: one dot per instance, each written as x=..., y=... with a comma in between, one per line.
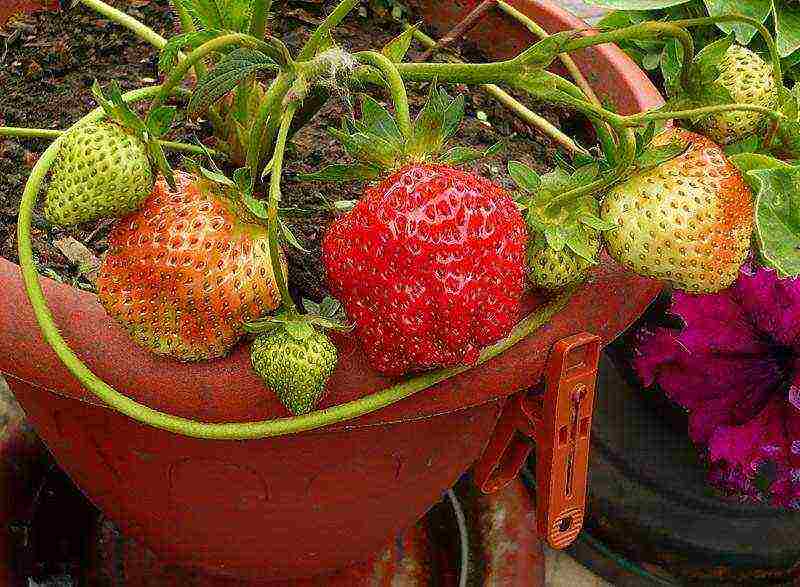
x=430, y=265
x=185, y=272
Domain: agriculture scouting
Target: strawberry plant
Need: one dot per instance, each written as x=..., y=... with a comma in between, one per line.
x=430, y=266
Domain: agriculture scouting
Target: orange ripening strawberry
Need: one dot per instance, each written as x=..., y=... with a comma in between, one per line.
x=187, y=271
x=688, y=221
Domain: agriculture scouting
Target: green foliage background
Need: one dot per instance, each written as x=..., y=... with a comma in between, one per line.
x=782, y=17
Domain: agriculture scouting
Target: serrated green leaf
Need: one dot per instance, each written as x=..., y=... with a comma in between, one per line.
x=749, y=144
x=160, y=120
x=205, y=13
x=234, y=68
x=756, y=9
x=397, y=48
x=746, y=162
x=343, y=173
x=289, y=236
x=778, y=218
x=525, y=177
x=243, y=179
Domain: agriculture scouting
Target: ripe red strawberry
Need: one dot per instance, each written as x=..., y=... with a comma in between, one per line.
x=688, y=221
x=187, y=271
x=430, y=265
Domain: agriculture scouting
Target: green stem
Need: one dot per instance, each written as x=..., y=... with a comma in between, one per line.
x=565, y=59
x=224, y=431
x=258, y=25
x=644, y=117
x=396, y=87
x=319, y=36
x=645, y=31
x=519, y=109
x=262, y=133
x=759, y=26
x=29, y=133
x=274, y=201
x=626, y=154
x=187, y=26
x=137, y=28
x=42, y=133
x=182, y=69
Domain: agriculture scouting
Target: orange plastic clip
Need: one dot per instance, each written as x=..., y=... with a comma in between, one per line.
x=560, y=420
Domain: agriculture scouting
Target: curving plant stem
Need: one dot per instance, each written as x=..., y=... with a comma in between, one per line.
x=644, y=117
x=396, y=87
x=196, y=56
x=525, y=114
x=258, y=24
x=565, y=59
x=324, y=30
x=43, y=133
x=137, y=28
x=274, y=200
x=223, y=431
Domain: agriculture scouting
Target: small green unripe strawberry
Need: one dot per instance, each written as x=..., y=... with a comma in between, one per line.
x=750, y=81
x=102, y=170
x=552, y=270
x=295, y=363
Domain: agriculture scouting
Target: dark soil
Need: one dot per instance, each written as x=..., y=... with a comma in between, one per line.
x=53, y=59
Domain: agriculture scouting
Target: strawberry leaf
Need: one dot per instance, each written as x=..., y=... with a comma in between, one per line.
x=778, y=218
x=397, y=48
x=365, y=147
x=118, y=110
x=525, y=177
x=234, y=68
x=257, y=208
x=340, y=172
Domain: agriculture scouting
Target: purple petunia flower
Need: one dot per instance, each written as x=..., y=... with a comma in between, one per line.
x=735, y=367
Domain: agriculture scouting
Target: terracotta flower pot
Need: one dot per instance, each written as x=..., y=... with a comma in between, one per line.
x=11, y=8
x=297, y=505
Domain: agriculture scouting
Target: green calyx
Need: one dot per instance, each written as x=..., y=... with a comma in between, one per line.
x=292, y=354
x=155, y=126
x=564, y=240
x=327, y=315
x=376, y=142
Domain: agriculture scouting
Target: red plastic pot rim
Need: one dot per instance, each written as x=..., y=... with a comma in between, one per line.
x=228, y=391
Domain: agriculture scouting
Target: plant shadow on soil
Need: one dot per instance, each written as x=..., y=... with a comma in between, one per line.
x=51, y=60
